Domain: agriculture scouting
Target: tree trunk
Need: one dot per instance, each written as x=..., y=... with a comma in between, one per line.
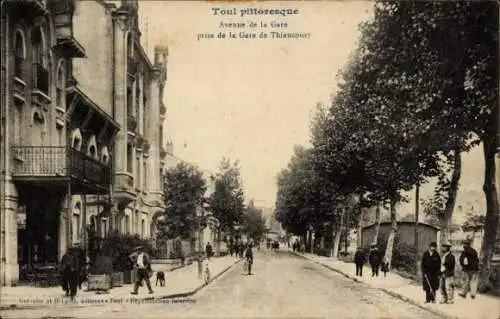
x=445, y=219
x=377, y=225
x=392, y=234
x=338, y=233
x=492, y=209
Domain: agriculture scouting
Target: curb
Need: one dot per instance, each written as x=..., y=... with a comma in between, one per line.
x=192, y=292
x=161, y=297
x=387, y=291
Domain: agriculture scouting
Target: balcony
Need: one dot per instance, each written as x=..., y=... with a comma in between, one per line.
x=124, y=191
x=28, y=7
x=40, y=85
x=59, y=165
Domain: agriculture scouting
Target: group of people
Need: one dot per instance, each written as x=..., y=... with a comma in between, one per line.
x=375, y=259
x=237, y=249
x=438, y=272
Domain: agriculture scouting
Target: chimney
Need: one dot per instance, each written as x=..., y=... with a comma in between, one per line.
x=161, y=54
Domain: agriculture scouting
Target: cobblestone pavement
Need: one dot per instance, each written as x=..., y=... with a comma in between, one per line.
x=282, y=285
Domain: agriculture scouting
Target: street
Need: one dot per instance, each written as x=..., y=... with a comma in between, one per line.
x=282, y=285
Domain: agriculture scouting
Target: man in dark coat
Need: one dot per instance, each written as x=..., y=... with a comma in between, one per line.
x=249, y=257
x=209, y=251
x=359, y=260
x=447, y=274
x=374, y=258
x=431, y=267
x=70, y=270
x=469, y=261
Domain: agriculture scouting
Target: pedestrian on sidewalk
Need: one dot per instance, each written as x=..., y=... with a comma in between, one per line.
x=209, y=250
x=70, y=269
x=469, y=261
x=447, y=274
x=374, y=259
x=359, y=260
x=431, y=266
x=142, y=264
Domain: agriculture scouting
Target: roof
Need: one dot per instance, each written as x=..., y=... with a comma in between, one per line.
x=403, y=223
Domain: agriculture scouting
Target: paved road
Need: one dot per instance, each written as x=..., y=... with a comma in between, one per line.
x=283, y=285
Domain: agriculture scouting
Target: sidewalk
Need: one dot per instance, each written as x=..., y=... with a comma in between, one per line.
x=483, y=307
x=182, y=282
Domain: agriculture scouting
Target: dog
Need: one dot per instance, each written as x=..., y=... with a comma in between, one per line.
x=160, y=276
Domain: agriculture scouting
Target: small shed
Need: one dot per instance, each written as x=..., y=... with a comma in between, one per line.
x=406, y=232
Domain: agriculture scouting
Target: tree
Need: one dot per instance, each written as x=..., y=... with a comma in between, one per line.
x=227, y=200
x=185, y=188
x=254, y=224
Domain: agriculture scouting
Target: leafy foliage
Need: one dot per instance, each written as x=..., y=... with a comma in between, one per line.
x=254, y=223
x=185, y=188
x=227, y=200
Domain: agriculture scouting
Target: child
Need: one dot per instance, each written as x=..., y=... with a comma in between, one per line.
x=384, y=266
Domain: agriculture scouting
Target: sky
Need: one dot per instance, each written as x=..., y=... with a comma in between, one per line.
x=248, y=99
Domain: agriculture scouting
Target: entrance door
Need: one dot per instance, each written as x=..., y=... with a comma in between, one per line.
x=38, y=241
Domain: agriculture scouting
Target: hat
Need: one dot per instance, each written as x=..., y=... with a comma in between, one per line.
x=137, y=248
x=433, y=244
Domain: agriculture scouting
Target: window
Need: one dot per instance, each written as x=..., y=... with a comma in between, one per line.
x=143, y=228
x=138, y=173
x=19, y=54
x=104, y=227
x=127, y=224
x=130, y=158
x=40, y=72
x=145, y=175
x=60, y=83
x=93, y=224
x=161, y=136
x=129, y=101
x=76, y=223
x=130, y=46
x=136, y=221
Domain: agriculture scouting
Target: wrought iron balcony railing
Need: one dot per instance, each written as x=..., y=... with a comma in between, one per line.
x=40, y=78
x=59, y=161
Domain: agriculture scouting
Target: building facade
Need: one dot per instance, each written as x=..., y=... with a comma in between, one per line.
x=119, y=74
x=81, y=130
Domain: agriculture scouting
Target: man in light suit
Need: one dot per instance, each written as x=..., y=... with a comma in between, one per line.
x=142, y=264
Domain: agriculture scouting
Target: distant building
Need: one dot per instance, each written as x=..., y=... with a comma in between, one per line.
x=406, y=233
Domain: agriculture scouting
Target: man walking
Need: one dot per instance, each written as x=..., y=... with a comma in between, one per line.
x=359, y=260
x=143, y=266
x=208, y=250
x=374, y=259
x=70, y=271
x=431, y=264
x=447, y=274
x=469, y=261
x=249, y=257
